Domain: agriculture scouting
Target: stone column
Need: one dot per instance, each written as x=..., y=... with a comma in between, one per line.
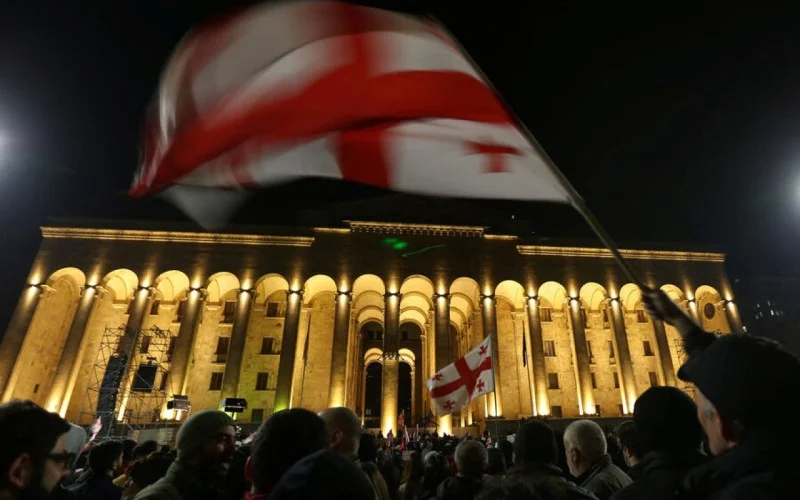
x=423, y=411
x=441, y=348
x=181, y=362
x=127, y=346
x=691, y=304
x=233, y=365
x=665, y=358
x=581, y=357
x=732, y=314
x=627, y=379
x=15, y=336
x=283, y=391
x=536, y=349
x=341, y=327
x=489, y=315
x=391, y=361
x=71, y=357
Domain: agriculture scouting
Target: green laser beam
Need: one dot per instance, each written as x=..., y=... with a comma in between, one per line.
x=422, y=250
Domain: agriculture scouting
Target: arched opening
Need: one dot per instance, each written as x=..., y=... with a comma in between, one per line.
x=404, y=391
x=373, y=384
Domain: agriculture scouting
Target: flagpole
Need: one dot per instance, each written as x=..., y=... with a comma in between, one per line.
x=576, y=200
x=496, y=381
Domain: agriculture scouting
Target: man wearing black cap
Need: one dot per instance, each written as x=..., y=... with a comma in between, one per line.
x=746, y=402
x=205, y=446
x=668, y=438
x=535, y=457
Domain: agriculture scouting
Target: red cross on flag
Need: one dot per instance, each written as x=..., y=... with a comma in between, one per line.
x=327, y=89
x=455, y=385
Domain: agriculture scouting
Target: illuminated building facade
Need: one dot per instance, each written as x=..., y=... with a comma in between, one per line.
x=300, y=317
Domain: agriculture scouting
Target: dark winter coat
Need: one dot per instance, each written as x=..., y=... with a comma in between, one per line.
x=604, y=478
x=659, y=474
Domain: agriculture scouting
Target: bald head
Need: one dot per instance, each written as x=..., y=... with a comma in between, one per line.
x=471, y=458
x=585, y=444
x=344, y=430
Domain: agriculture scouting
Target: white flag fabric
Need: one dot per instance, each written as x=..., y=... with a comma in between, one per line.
x=328, y=89
x=455, y=385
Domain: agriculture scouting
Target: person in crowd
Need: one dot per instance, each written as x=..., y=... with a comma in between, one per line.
x=105, y=461
x=344, y=429
x=281, y=441
x=128, y=445
x=471, y=460
x=74, y=442
x=669, y=438
x=535, y=456
x=521, y=488
x=324, y=475
x=589, y=461
x=379, y=487
x=615, y=451
x=145, y=471
x=141, y=450
x=389, y=471
x=33, y=455
x=629, y=442
x=436, y=471
x=745, y=404
x=507, y=447
x=497, y=462
x=411, y=486
x=236, y=482
x=205, y=446
x=367, y=449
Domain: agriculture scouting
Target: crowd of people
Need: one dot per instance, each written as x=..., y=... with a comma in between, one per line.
x=732, y=442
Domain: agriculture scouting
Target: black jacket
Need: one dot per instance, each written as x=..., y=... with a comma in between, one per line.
x=553, y=474
x=96, y=487
x=604, y=478
x=459, y=488
x=659, y=474
x=759, y=468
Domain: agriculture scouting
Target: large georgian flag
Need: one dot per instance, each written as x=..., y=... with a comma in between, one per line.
x=455, y=385
x=327, y=89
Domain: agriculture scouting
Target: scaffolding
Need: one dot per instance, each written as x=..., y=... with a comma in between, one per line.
x=126, y=392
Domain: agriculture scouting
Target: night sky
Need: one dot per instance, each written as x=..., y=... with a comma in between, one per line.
x=676, y=125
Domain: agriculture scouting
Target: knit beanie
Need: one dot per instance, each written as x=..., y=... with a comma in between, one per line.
x=198, y=428
x=666, y=419
x=748, y=379
x=74, y=441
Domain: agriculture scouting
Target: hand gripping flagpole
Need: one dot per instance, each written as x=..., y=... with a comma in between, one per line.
x=575, y=199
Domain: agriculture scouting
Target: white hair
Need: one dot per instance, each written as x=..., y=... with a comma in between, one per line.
x=588, y=438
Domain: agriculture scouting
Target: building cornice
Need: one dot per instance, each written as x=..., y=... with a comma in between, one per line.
x=174, y=237
x=419, y=229
x=603, y=253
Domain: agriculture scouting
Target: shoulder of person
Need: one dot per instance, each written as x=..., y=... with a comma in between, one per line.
x=160, y=490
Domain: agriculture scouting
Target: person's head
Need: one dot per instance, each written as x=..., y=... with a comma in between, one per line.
x=666, y=419
x=368, y=448
x=585, y=444
x=143, y=449
x=206, y=442
x=629, y=442
x=535, y=443
x=344, y=430
x=414, y=469
x=376, y=480
x=497, y=462
x=105, y=459
x=741, y=382
x=127, y=451
x=33, y=455
x=436, y=470
x=282, y=441
x=471, y=459
x=74, y=442
x=145, y=471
